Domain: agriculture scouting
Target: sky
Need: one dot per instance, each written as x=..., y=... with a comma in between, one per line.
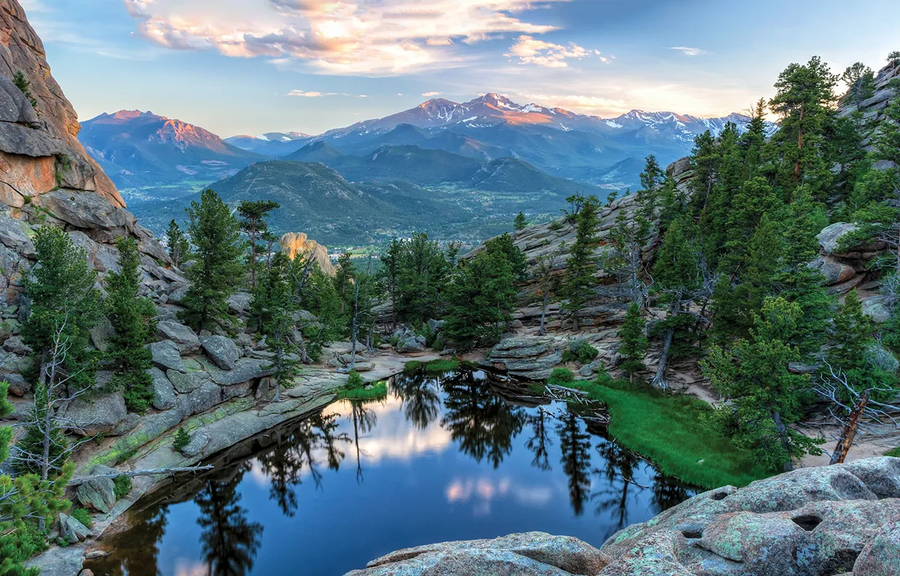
x=255, y=66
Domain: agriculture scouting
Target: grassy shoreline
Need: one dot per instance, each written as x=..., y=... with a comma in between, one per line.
x=670, y=430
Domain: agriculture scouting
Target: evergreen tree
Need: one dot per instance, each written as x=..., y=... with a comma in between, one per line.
x=805, y=103
x=625, y=254
x=581, y=268
x=677, y=276
x=390, y=273
x=24, y=84
x=64, y=307
x=25, y=502
x=853, y=346
x=860, y=81
x=253, y=222
x=343, y=281
x=520, y=223
x=545, y=268
x=633, y=336
x=217, y=269
x=796, y=281
x=764, y=397
x=179, y=247
x=422, y=278
x=272, y=307
x=132, y=319
x=504, y=246
x=647, y=196
x=481, y=298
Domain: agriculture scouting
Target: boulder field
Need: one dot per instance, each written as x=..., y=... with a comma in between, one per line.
x=828, y=521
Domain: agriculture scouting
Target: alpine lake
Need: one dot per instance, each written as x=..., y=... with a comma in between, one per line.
x=457, y=455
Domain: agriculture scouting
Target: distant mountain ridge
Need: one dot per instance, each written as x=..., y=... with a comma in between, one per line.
x=607, y=152
x=136, y=148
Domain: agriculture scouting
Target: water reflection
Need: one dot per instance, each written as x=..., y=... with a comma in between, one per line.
x=297, y=452
x=479, y=420
x=229, y=540
x=442, y=458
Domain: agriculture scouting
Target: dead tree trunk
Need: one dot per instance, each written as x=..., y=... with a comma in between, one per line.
x=848, y=433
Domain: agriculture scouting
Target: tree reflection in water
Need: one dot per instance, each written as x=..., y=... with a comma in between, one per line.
x=539, y=443
x=478, y=419
x=229, y=540
x=295, y=451
x=620, y=464
x=575, y=444
x=421, y=398
x=364, y=420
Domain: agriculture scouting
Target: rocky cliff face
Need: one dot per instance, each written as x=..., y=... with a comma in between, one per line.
x=836, y=520
x=39, y=149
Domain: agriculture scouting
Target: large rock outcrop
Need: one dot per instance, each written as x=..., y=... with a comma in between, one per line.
x=39, y=148
x=293, y=244
x=811, y=522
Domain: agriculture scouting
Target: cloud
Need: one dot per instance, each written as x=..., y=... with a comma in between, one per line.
x=359, y=37
x=688, y=51
x=303, y=94
x=430, y=94
x=532, y=51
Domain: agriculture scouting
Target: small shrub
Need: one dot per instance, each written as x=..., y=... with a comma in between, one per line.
x=355, y=381
x=412, y=366
x=895, y=452
x=556, y=226
x=182, y=439
x=83, y=516
x=138, y=398
x=122, y=486
x=561, y=377
x=580, y=351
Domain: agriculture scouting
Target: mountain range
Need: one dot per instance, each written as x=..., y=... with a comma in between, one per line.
x=484, y=160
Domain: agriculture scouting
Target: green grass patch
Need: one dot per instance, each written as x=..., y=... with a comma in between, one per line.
x=670, y=430
x=377, y=392
x=434, y=367
x=895, y=452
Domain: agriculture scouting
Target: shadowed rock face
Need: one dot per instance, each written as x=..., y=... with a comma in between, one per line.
x=811, y=522
x=49, y=137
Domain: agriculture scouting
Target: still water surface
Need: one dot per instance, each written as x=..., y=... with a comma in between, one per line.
x=442, y=458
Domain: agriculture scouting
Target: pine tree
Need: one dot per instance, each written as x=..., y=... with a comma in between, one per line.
x=272, y=306
x=22, y=83
x=581, y=268
x=633, y=336
x=179, y=247
x=422, y=279
x=647, y=196
x=390, y=273
x=853, y=346
x=217, y=269
x=805, y=103
x=624, y=256
x=132, y=318
x=504, y=246
x=64, y=307
x=253, y=222
x=860, y=81
x=765, y=398
x=343, y=281
x=481, y=298
x=676, y=275
x=26, y=502
x=520, y=223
